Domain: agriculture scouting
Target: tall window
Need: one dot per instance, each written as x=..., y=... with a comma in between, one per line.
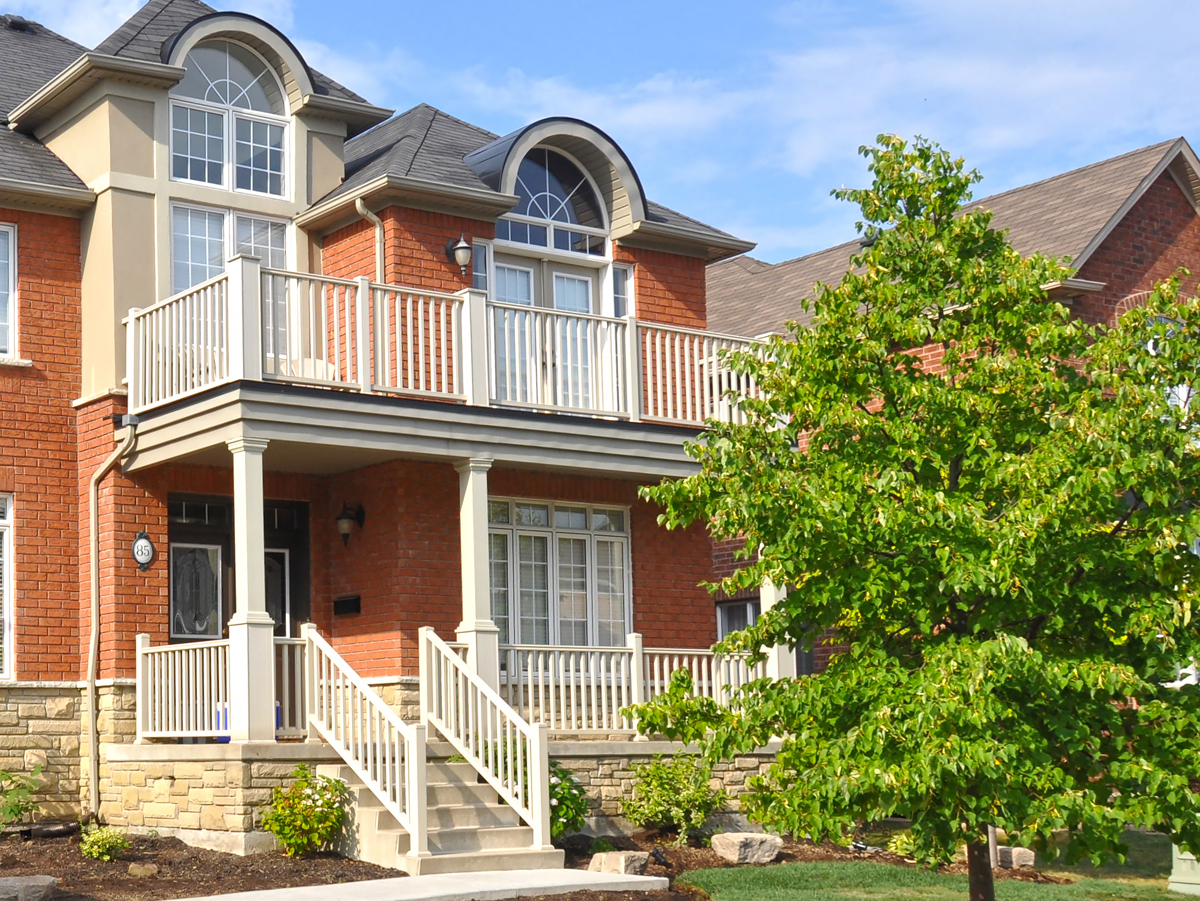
x=622, y=289
x=199, y=236
x=559, y=573
x=228, y=125
x=6, y=591
x=8, y=291
x=557, y=207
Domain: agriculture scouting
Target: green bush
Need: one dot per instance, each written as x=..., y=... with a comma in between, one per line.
x=307, y=815
x=902, y=844
x=568, y=803
x=105, y=843
x=16, y=795
x=673, y=795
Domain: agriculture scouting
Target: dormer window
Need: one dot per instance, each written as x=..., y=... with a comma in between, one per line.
x=229, y=92
x=558, y=207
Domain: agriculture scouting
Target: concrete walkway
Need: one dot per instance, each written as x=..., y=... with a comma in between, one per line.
x=485, y=886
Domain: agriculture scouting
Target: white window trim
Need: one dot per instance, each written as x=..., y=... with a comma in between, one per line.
x=8, y=606
x=512, y=531
x=12, y=355
x=228, y=173
x=228, y=232
x=171, y=592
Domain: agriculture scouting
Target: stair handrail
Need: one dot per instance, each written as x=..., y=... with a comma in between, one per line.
x=511, y=754
x=385, y=752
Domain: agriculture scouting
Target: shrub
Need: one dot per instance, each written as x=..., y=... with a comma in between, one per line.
x=673, y=795
x=568, y=803
x=105, y=843
x=902, y=844
x=16, y=795
x=307, y=815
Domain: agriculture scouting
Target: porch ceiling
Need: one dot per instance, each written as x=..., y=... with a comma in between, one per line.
x=323, y=432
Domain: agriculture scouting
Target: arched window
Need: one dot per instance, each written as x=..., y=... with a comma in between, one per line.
x=558, y=206
x=229, y=90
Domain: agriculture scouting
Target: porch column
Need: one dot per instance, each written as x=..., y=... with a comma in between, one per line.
x=781, y=660
x=477, y=629
x=251, y=629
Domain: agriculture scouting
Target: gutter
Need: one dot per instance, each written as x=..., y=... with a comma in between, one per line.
x=106, y=467
x=379, y=243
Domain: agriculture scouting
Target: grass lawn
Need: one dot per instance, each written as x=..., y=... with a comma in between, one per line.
x=1142, y=878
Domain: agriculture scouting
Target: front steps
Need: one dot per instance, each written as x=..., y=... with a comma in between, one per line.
x=470, y=828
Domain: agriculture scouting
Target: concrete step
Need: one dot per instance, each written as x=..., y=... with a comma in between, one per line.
x=480, y=861
x=456, y=773
x=477, y=816
x=499, y=838
x=444, y=794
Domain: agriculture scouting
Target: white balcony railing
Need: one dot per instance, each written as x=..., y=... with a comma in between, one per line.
x=267, y=324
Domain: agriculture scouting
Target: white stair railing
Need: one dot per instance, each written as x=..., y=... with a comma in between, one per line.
x=386, y=753
x=182, y=689
x=511, y=754
x=290, y=710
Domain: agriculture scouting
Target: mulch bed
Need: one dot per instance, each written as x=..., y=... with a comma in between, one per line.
x=183, y=871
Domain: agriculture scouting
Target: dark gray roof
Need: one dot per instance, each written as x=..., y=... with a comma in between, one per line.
x=656, y=212
x=30, y=57
x=143, y=35
x=24, y=160
x=1058, y=216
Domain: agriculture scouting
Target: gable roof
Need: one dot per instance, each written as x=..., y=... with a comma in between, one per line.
x=145, y=33
x=1067, y=215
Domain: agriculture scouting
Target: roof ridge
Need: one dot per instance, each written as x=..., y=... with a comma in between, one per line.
x=433, y=114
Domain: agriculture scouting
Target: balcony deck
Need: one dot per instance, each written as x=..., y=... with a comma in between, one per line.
x=265, y=325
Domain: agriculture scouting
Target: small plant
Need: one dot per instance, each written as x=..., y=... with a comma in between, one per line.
x=307, y=815
x=16, y=795
x=105, y=843
x=902, y=844
x=568, y=803
x=600, y=846
x=673, y=795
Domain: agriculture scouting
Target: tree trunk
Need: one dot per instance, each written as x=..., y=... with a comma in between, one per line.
x=979, y=870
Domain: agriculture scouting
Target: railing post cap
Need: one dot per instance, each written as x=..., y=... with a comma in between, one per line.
x=248, y=257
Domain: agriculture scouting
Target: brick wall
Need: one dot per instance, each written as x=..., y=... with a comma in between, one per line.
x=669, y=288
x=1160, y=234
x=37, y=444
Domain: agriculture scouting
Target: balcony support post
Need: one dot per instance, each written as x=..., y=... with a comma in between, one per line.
x=251, y=629
x=477, y=630
x=245, y=317
x=473, y=356
x=781, y=660
x=633, y=368
x=362, y=334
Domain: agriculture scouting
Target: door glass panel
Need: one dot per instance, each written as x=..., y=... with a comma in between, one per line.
x=573, y=353
x=278, y=596
x=195, y=591
x=572, y=293
x=533, y=588
x=517, y=364
x=514, y=285
x=572, y=591
x=610, y=592
x=498, y=582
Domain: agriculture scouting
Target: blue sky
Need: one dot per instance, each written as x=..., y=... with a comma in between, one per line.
x=746, y=114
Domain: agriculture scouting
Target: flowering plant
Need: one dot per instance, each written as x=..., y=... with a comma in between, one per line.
x=307, y=815
x=568, y=803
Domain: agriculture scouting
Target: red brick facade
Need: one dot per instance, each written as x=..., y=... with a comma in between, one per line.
x=669, y=287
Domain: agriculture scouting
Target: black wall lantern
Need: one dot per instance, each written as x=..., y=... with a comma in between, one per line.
x=348, y=517
x=459, y=252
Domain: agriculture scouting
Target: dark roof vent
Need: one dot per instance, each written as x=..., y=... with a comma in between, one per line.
x=19, y=23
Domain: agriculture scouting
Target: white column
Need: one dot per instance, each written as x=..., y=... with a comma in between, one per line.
x=251, y=629
x=781, y=660
x=477, y=628
x=633, y=368
x=244, y=287
x=473, y=361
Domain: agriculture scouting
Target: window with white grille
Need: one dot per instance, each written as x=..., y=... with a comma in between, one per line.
x=6, y=590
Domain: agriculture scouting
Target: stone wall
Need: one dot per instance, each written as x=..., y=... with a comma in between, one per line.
x=40, y=726
x=117, y=721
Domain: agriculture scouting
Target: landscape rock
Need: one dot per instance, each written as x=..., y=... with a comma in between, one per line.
x=628, y=863
x=27, y=888
x=747, y=847
x=143, y=869
x=1016, y=858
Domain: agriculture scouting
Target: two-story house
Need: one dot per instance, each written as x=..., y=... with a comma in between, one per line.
x=324, y=435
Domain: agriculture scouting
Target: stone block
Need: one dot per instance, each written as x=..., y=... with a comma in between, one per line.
x=60, y=708
x=129, y=798
x=160, y=790
x=1016, y=858
x=35, y=758
x=158, y=810
x=624, y=862
x=143, y=869
x=747, y=847
x=189, y=820
x=212, y=818
x=27, y=888
x=189, y=770
x=200, y=796
x=31, y=711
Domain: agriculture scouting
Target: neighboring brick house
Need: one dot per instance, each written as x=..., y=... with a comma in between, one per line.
x=1121, y=224
x=310, y=378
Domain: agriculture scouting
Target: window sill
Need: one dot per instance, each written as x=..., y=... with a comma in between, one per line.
x=16, y=363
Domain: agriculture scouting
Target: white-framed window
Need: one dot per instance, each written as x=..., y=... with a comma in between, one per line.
x=559, y=573
x=559, y=207
x=514, y=284
x=7, y=634
x=229, y=126
x=481, y=265
x=200, y=236
x=8, y=290
x=196, y=591
x=733, y=616
x=622, y=281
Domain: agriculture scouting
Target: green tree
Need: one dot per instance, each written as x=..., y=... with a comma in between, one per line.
x=993, y=503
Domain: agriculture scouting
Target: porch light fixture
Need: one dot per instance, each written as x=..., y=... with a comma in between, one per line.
x=348, y=517
x=459, y=252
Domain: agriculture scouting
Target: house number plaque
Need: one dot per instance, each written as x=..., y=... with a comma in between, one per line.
x=143, y=550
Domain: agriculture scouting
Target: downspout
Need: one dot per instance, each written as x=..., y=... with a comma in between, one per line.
x=94, y=640
x=378, y=223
